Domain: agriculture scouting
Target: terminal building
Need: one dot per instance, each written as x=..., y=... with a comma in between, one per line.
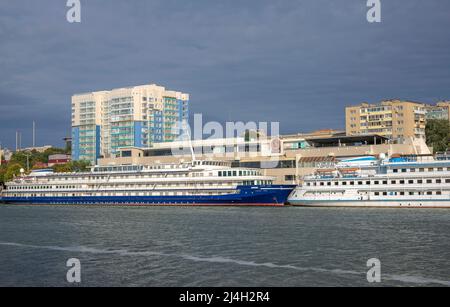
x=288, y=158
x=104, y=121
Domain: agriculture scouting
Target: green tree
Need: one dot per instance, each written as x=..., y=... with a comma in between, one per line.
x=12, y=170
x=62, y=168
x=74, y=166
x=19, y=158
x=81, y=166
x=2, y=173
x=34, y=156
x=437, y=134
x=54, y=151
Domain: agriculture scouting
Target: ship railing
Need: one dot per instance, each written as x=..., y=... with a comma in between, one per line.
x=101, y=183
x=319, y=177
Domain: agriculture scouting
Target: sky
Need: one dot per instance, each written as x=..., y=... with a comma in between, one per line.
x=297, y=62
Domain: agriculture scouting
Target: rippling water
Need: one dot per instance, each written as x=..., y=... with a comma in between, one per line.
x=176, y=246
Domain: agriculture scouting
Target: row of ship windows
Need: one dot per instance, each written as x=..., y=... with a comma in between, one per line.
x=124, y=194
x=41, y=187
x=408, y=193
x=377, y=182
x=421, y=170
x=221, y=174
x=122, y=186
x=402, y=193
x=119, y=177
x=235, y=173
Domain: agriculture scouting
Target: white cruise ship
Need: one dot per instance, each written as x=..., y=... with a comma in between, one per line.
x=419, y=182
x=190, y=183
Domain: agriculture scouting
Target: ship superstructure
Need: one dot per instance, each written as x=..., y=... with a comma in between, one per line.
x=189, y=183
x=372, y=182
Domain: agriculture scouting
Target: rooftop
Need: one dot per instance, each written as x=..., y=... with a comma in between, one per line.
x=337, y=141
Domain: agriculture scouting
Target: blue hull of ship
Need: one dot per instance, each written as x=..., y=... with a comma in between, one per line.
x=271, y=195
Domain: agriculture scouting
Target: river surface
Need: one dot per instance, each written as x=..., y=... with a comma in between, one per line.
x=223, y=246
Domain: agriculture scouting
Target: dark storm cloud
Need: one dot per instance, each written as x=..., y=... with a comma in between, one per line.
x=297, y=62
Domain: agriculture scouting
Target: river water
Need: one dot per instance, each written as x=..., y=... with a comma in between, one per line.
x=223, y=246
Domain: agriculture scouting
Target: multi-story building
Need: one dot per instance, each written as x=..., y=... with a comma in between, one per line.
x=439, y=111
x=40, y=149
x=86, y=125
x=394, y=119
x=287, y=158
x=136, y=116
x=58, y=159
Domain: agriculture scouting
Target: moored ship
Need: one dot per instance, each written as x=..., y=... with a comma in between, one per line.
x=419, y=182
x=190, y=183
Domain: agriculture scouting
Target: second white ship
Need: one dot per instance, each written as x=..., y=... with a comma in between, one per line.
x=411, y=182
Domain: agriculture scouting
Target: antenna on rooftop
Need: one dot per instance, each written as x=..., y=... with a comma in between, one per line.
x=34, y=134
x=18, y=140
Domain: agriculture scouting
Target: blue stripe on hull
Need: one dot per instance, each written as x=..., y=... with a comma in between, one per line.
x=248, y=195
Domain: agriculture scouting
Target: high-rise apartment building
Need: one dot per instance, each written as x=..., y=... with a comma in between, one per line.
x=394, y=119
x=104, y=121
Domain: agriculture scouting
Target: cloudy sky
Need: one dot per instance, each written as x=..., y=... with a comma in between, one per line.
x=294, y=61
